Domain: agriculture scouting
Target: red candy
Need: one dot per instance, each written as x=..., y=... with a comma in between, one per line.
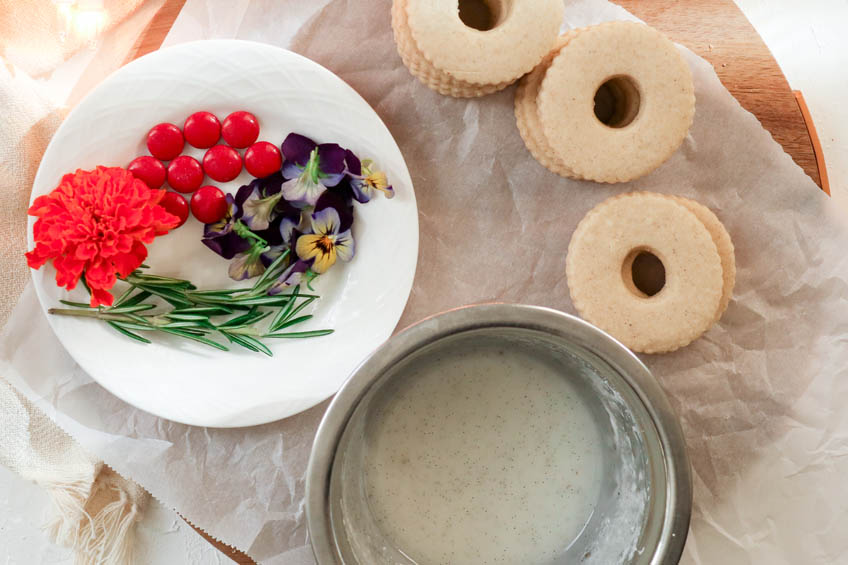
x=208, y=204
x=148, y=169
x=222, y=163
x=175, y=204
x=240, y=129
x=202, y=130
x=185, y=174
x=165, y=141
x=262, y=159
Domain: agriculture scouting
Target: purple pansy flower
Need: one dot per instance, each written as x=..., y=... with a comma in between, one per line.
x=258, y=209
x=368, y=181
x=282, y=231
x=331, y=199
x=248, y=264
x=222, y=237
x=310, y=169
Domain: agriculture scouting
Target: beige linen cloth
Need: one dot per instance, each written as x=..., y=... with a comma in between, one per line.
x=95, y=508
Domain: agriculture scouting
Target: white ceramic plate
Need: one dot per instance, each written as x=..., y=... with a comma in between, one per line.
x=361, y=300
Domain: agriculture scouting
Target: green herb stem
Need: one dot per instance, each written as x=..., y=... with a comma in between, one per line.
x=190, y=311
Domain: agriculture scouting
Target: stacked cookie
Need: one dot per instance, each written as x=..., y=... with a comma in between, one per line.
x=696, y=257
x=610, y=103
x=454, y=58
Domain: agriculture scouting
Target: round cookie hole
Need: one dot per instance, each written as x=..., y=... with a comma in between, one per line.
x=483, y=15
x=617, y=101
x=643, y=273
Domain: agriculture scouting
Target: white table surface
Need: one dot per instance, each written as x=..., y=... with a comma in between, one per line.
x=810, y=43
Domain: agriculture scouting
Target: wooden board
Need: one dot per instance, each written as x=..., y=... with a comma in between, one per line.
x=720, y=33
x=714, y=29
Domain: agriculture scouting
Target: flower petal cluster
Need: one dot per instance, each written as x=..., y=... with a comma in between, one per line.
x=96, y=224
x=305, y=211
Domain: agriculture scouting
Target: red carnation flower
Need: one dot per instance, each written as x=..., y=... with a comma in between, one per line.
x=97, y=223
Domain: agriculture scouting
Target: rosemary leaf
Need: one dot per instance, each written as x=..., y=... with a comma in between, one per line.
x=124, y=296
x=181, y=324
x=285, y=311
x=132, y=308
x=75, y=304
x=133, y=325
x=278, y=300
x=216, y=292
x=299, y=307
x=138, y=276
x=250, y=343
x=137, y=318
x=174, y=315
x=239, y=319
x=269, y=273
x=207, y=310
x=248, y=319
x=171, y=296
x=117, y=326
x=137, y=299
x=138, y=281
x=297, y=335
x=197, y=338
x=239, y=341
x=288, y=323
x=290, y=314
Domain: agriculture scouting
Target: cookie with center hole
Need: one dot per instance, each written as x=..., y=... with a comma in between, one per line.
x=616, y=102
x=619, y=232
x=423, y=70
x=484, y=42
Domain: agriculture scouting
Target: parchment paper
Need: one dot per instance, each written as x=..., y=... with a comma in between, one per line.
x=761, y=395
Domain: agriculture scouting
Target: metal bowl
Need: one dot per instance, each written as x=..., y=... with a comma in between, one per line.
x=643, y=514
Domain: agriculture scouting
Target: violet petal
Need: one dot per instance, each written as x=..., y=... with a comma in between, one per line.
x=332, y=200
x=331, y=159
x=361, y=191
x=228, y=245
x=272, y=234
x=291, y=170
x=354, y=165
x=297, y=148
x=272, y=183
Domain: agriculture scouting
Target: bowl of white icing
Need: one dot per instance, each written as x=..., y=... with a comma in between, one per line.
x=500, y=434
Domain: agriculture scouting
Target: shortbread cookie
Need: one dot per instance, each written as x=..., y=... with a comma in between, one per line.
x=602, y=250
x=642, y=89
x=521, y=34
x=423, y=70
x=527, y=114
x=724, y=245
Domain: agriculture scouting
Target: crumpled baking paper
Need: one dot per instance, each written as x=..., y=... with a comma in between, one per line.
x=761, y=396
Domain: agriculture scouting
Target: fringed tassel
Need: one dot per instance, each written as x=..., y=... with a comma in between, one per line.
x=107, y=537
x=70, y=489
x=69, y=501
x=97, y=519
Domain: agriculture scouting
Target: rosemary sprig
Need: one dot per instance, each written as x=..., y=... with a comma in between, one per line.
x=197, y=314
